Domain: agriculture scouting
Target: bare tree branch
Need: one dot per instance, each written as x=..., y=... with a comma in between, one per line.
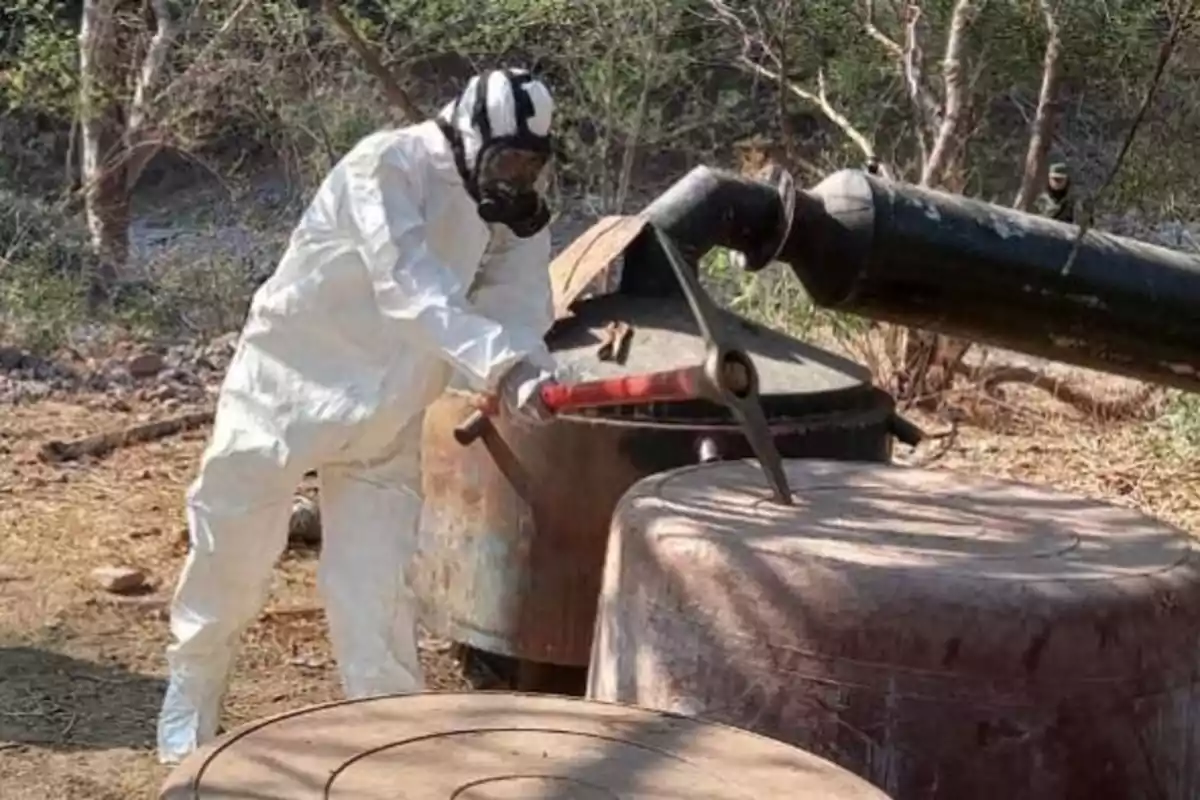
x=1042, y=128
x=99, y=113
x=205, y=53
x=820, y=98
x=154, y=66
x=947, y=140
x=991, y=377
x=929, y=358
x=1182, y=19
x=927, y=110
x=912, y=63
x=369, y=54
x=872, y=29
x=629, y=153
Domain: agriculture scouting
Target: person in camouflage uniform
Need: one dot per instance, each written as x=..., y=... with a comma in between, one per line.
x=1055, y=202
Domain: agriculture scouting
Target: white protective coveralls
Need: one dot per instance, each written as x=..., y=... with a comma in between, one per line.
x=391, y=283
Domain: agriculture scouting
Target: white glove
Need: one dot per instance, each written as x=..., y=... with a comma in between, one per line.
x=520, y=391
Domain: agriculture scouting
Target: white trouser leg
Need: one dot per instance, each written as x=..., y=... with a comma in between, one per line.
x=237, y=513
x=369, y=517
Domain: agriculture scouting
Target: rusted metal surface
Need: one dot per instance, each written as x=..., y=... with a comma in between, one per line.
x=794, y=377
x=945, y=637
x=726, y=376
x=514, y=529
x=492, y=746
x=587, y=264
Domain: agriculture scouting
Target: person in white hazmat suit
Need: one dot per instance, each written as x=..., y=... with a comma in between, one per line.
x=424, y=255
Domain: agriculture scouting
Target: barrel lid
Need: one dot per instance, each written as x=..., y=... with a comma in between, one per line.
x=949, y=526
x=493, y=746
x=903, y=574
x=794, y=377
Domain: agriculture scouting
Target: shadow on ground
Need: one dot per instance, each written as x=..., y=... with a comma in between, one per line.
x=63, y=703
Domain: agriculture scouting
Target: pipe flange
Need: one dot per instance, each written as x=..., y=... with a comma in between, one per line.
x=768, y=251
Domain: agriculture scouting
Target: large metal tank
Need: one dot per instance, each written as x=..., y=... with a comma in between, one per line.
x=943, y=636
x=514, y=529
x=492, y=746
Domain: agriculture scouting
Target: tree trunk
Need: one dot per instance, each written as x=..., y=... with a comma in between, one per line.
x=102, y=127
x=1042, y=130
x=930, y=358
x=401, y=101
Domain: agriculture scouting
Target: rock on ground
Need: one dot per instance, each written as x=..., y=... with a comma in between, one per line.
x=304, y=527
x=120, y=580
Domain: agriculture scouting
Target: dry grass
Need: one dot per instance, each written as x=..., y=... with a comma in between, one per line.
x=81, y=674
x=1032, y=438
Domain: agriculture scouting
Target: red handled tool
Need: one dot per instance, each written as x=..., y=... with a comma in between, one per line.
x=727, y=376
x=674, y=385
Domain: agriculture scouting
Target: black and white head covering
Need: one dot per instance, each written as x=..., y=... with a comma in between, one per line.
x=502, y=107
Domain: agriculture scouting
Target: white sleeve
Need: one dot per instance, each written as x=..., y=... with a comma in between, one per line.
x=412, y=285
x=514, y=286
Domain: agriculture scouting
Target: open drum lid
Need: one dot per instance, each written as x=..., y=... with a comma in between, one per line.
x=794, y=378
x=500, y=746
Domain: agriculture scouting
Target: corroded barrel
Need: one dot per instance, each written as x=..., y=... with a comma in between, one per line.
x=944, y=636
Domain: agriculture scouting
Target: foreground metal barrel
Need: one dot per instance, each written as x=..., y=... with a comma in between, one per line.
x=492, y=746
x=514, y=529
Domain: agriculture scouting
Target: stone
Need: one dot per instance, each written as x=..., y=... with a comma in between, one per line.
x=146, y=365
x=11, y=357
x=120, y=580
x=304, y=527
x=165, y=391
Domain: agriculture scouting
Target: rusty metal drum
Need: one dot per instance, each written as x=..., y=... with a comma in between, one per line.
x=942, y=636
x=498, y=746
x=514, y=529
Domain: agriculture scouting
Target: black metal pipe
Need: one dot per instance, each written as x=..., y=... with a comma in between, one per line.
x=900, y=253
x=909, y=255
x=905, y=430
x=704, y=209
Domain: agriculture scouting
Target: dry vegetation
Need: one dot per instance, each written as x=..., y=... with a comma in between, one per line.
x=166, y=182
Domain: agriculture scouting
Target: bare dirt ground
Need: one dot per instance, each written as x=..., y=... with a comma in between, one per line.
x=81, y=669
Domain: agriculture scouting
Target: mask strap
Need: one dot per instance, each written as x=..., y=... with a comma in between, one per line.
x=480, y=116
x=454, y=137
x=523, y=101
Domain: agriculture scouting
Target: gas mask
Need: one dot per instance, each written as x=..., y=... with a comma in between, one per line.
x=507, y=184
x=510, y=166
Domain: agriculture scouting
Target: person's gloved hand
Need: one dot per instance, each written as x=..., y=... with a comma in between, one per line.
x=520, y=391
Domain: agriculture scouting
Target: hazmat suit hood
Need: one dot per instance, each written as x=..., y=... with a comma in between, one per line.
x=499, y=131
